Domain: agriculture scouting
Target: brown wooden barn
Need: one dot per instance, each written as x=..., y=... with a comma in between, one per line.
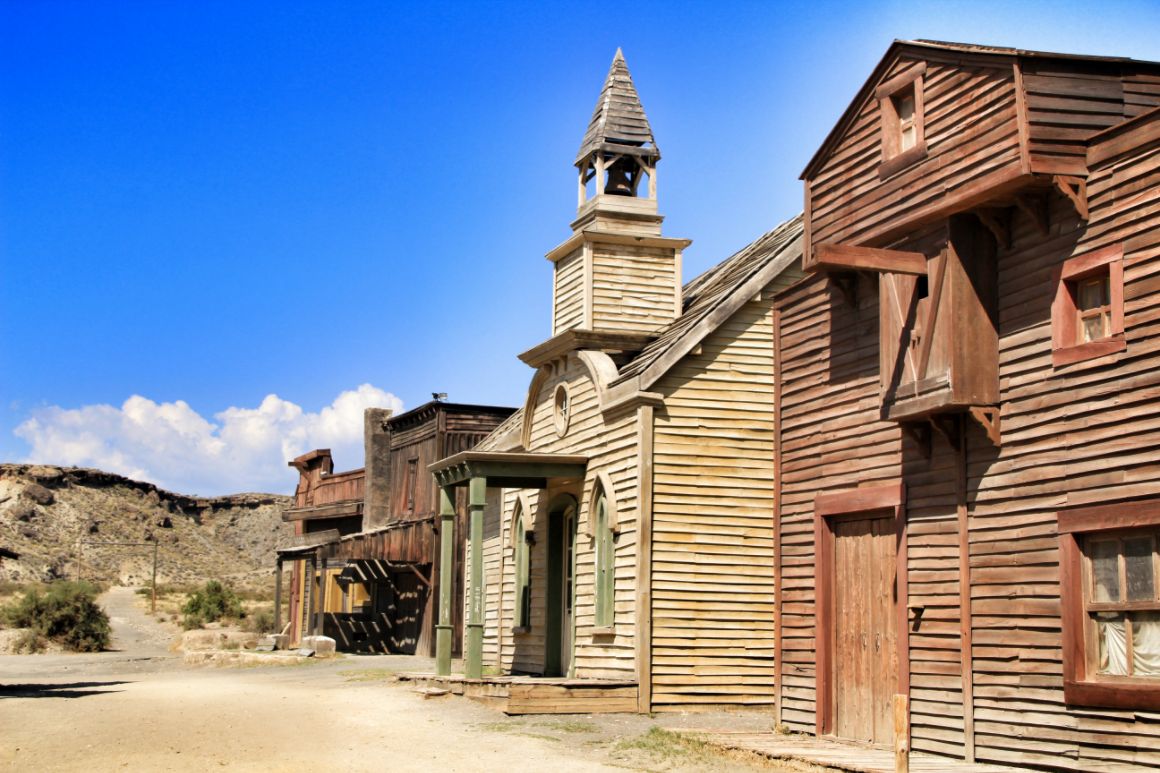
x=621, y=540
x=968, y=446
x=368, y=537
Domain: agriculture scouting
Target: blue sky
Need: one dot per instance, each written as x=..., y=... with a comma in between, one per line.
x=227, y=227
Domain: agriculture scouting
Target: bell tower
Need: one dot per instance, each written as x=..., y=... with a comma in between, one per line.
x=617, y=274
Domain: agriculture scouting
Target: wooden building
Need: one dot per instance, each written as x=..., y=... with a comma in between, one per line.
x=367, y=537
x=968, y=445
x=620, y=532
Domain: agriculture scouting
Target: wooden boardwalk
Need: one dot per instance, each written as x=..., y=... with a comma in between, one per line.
x=838, y=755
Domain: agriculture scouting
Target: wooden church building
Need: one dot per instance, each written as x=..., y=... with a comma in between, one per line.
x=968, y=413
x=621, y=537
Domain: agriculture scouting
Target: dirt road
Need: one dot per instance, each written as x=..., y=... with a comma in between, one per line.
x=140, y=708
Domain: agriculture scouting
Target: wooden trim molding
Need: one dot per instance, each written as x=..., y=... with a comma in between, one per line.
x=1080, y=689
x=1065, y=346
x=851, y=502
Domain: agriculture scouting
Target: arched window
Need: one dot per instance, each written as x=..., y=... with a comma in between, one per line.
x=605, y=561
x=523, y=611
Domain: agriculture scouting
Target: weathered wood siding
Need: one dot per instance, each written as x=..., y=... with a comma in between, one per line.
x=847, y=202
x=1067, y=103
x=832, y=439
x=1080, y=434
x=568, y=300
x=633, y=289
x=611, y=448
x=712, y=555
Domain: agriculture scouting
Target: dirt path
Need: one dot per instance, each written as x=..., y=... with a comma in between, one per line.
x=140, y=708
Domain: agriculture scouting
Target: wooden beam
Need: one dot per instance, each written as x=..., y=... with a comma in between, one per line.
x=644, y=559
x=848, y=256
x=1075, y=188
x=966, y=624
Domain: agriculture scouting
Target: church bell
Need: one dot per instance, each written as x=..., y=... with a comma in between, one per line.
x=620, y=177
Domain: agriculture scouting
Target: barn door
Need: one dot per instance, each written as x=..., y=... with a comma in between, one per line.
x=864, y=653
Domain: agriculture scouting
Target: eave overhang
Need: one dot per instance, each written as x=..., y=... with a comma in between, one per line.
x=609, y=237
x=578, y=339
x=508, y=470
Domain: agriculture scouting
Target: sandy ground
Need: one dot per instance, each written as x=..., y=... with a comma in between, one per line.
x=139, y=707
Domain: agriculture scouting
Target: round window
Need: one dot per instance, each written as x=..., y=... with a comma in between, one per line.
x=561, y=408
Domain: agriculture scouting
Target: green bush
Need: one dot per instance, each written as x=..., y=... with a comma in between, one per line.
x=67, y=613
x=213, y=602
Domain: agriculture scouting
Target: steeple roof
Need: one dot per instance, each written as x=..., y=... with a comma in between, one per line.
x=619, y=124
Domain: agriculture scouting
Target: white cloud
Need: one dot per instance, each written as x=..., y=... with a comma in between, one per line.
x=170, y=444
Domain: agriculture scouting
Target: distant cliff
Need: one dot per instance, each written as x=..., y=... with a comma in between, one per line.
x=53, y=516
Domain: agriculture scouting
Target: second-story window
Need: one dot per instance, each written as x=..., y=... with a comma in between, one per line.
x=900, y=104
x=1094, y=307
x=907, y=128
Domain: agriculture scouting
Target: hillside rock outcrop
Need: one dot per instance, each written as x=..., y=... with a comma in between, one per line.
x=57, y=518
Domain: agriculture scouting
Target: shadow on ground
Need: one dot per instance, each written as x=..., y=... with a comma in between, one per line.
x=69, y=690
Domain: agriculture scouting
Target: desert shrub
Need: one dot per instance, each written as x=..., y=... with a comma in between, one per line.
x=212, y=602
x=65, y=612
x=261, y=621
x=27, y=642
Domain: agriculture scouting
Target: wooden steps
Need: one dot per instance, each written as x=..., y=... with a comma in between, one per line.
x=536, y=695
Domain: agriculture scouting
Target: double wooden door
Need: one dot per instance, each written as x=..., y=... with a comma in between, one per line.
x=865, y=666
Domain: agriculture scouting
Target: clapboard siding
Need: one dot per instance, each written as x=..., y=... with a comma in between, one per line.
x=611, y=448
x=633, y=294
x=1072, y=435
x=1066, y=104
x=849, y=203
x=712, y=537
x=568, y=301
x=831, y=439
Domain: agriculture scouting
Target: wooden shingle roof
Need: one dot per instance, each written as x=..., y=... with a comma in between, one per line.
x=714, y=296
x=618, y=123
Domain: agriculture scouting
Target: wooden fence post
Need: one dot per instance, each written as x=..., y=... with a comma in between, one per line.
x=901, y=737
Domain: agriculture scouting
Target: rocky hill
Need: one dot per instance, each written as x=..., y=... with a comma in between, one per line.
x=54, y=516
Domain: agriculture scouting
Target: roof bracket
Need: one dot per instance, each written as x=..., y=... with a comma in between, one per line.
x=988, y=418
x=998, y=222
x=1075, y=188
x=1035, y=207
x=847, y=283
x=920, y=433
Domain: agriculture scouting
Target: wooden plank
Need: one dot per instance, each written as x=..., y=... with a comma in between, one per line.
x=848, y=256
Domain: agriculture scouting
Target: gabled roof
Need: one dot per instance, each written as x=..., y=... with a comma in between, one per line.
x=618, y=122
x=716, y=295
x=917, y=47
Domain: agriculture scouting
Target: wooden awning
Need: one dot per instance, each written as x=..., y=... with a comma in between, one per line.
x=508, y=470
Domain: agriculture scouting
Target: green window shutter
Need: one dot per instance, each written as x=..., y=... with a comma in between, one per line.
x=605, y=565
x=523, y=586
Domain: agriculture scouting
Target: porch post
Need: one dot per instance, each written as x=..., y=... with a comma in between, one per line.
x=278, y=595
x=311, y=595
x=321, y=631
x=473, y=660
x=443, y=632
